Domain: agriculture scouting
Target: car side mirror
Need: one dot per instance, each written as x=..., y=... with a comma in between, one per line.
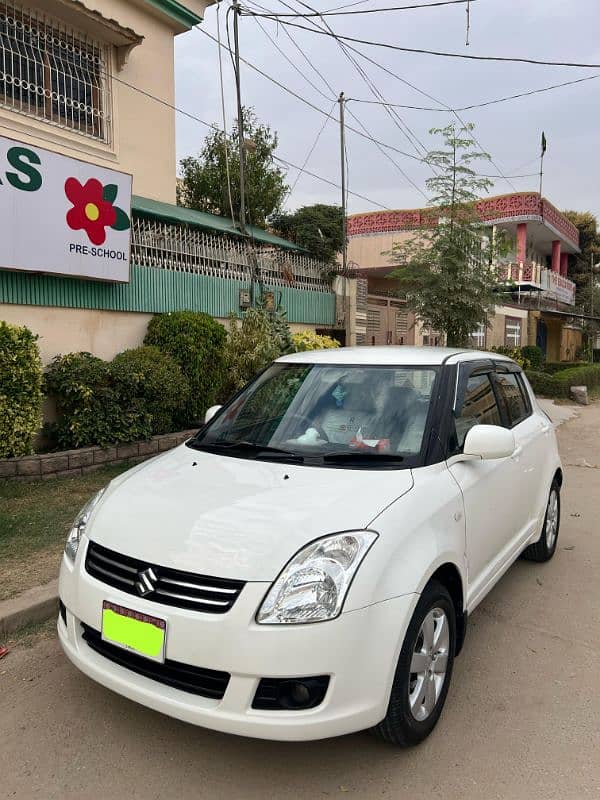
x=211, y=413
x=489, y=441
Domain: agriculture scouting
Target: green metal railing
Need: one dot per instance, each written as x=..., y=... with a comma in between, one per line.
x=154, y=290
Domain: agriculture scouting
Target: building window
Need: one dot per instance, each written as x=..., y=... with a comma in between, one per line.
x=478, y=337
x=512, y=332
x=51, y=72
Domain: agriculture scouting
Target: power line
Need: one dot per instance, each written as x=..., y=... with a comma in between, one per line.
x=439, y=53
x=485, y=103
x=312, y=149
x=289, y=60
x=396, y=119
x=425, y=94
x=225, y=142
x=339, y=13
x=308, y=102
x=331, y=183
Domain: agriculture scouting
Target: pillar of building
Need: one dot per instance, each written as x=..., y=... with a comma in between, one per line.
x=564, y=264
x=521, y=242
x=556, y=256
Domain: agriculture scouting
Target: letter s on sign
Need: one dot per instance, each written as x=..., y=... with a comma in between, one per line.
x=21, y=158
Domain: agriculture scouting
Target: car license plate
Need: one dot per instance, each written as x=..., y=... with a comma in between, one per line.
x=134, y=631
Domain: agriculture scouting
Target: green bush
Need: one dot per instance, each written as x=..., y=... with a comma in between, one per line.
x=544, y=384
x=140, y=393
x=150, y=381
x=251, y=345
x=89, y=408
x=534, y=355
x=551, y=367
x=196, y=341
x=20, y=390
x=559, y=384
x=309, y=340
x=515, y=353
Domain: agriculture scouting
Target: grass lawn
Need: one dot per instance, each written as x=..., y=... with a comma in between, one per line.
x=34, y=521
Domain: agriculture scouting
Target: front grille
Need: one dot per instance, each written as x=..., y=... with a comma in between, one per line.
x=195, y=680
x=171, y=587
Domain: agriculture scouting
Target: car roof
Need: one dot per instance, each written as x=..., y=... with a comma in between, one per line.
x=390, y=355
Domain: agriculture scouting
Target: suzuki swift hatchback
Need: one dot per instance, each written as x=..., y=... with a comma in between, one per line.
x=305, y=565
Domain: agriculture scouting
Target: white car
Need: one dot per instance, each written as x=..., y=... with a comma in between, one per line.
x=305, y=566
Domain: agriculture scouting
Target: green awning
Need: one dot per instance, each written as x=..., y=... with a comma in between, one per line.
x=212, y=223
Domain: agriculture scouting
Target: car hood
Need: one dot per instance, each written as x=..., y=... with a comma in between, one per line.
x=232, y=517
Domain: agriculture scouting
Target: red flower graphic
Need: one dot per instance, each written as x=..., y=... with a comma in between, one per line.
x=90, y=212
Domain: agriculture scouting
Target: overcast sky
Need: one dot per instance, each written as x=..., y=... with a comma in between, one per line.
x=510, y=132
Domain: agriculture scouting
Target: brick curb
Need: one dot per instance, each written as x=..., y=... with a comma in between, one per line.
x=34, y=605
x=87, y=459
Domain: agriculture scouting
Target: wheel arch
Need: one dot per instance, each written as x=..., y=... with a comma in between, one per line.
x=449, y=576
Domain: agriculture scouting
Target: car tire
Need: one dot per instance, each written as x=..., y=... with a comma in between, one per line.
x=417, y=697
x=545, y=547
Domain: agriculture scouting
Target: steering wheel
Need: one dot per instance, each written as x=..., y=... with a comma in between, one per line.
x=302, y=419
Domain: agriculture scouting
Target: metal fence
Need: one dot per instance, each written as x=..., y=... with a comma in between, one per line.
x=52, y=72
x=181, y=248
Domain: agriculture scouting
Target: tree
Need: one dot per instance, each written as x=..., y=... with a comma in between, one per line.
x=204, y=178
x=589, y=243
x=446, y=270
x=317, y=228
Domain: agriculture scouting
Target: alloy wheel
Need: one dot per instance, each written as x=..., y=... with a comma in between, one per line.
x=552, y=519
x=429, y=664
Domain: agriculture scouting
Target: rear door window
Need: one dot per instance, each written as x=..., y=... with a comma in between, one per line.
x=511, y=398
x=479, y=407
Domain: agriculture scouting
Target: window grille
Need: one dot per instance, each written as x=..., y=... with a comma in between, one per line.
x=512, y=332
x=51, y=72
x=478, y=337
x=181, y=248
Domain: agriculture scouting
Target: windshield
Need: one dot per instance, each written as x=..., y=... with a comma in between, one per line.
x=313, y=413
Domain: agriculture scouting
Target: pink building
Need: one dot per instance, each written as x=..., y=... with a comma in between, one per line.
x=535, y=293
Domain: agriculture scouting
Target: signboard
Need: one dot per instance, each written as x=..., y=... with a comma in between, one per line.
x=557, y=286
x=62, y=216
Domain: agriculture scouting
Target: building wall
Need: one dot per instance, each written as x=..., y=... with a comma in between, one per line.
x=143, y=141
x=103, y=333
x=365, y=252
x=495, y=335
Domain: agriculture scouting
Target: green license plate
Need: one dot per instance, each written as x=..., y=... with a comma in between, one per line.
x=132, y=630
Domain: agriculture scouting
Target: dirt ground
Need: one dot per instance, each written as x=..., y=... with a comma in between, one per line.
x=521, y=721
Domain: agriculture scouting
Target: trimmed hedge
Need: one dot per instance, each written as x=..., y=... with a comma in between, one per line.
x=197, y=343
x=20, y=390
x=559, y=384
x=534, y=355
x=151, y=381
x=552, y=367
x=138, y=394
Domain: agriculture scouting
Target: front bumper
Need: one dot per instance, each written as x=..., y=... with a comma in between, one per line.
x=358, y=650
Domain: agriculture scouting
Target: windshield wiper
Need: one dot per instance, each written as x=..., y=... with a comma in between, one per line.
x=358, y=456
x=260, y=450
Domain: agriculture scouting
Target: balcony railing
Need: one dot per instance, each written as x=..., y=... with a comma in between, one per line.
x=521, y=272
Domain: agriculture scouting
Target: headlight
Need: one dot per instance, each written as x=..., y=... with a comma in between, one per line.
x=78, y=528
x=313, y=585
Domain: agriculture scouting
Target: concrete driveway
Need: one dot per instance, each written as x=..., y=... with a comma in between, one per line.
x=522, y=718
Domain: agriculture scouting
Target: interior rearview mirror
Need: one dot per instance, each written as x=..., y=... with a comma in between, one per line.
x=211, y=412
x=489, y=441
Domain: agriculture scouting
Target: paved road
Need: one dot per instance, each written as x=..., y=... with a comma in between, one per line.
x=521, y=721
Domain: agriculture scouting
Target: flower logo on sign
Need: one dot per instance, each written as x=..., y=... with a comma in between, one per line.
x=93, y=209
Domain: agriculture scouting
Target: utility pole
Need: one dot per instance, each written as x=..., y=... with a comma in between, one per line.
x=342, y=102
x=242, y=151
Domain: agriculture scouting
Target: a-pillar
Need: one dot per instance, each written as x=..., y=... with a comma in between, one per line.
x=564, y=264
x=556, y=256
x=521, y=242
